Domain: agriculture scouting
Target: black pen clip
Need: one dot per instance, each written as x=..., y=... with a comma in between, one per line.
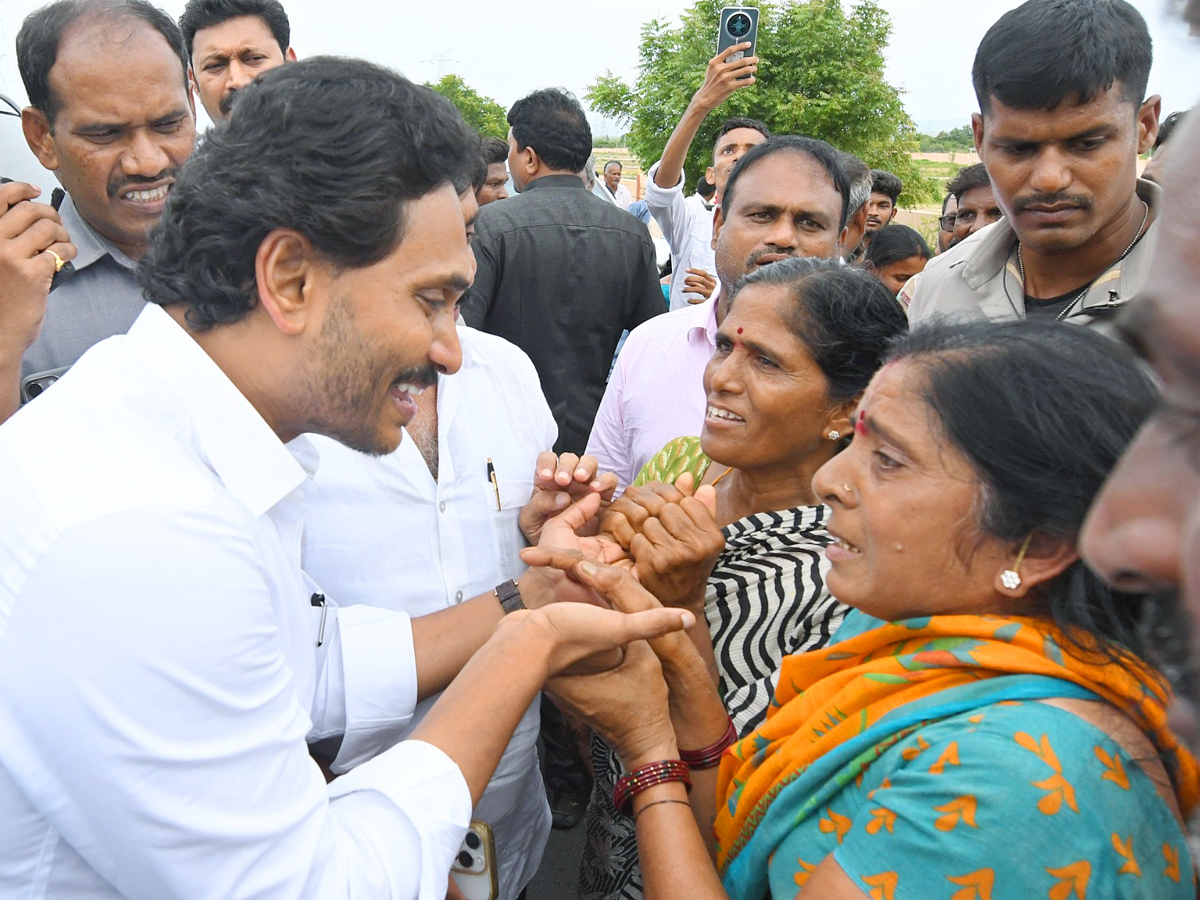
x=319, y=600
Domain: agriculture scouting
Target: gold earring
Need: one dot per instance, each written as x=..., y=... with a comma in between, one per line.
x=1011, y=578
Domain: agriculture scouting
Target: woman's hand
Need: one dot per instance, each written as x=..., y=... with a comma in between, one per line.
x=557, y=482
x=672, y=535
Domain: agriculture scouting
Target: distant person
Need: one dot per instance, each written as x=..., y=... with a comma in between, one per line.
x=786, y=197
x=976, y=207
x=945, y=235
x=111, y=115
x=705, y=191
x=1059, y=130
x=688, y=231
x=560, y=275
x=1165, y=129
x=897, y=253
x=612, y=183
x=859, y=176
x=230, y=43
x=495, y=187
x=881, y=207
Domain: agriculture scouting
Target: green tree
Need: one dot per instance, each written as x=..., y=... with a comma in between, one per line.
x=820, y=74
x=482, y=113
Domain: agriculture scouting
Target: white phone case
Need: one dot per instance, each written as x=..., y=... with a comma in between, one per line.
x=474, y=869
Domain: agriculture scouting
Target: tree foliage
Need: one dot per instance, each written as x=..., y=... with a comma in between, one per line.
x=482, y=113
x=820, y=74
x=955, y=140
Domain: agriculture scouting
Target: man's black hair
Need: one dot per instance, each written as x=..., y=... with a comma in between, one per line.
x=495, y=150
x=200, y=14
x=479, y=167
x=1046, y=52
x=884, y=182
x=818, y=150
x=371, y=142
x=967, y=179
x=739, y=122
x=41, y=34
x=552, y=122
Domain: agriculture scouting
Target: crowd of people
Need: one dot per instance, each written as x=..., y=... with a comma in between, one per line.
x=339, y=484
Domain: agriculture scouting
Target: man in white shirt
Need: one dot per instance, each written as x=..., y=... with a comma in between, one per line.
x=612, y=183
x=163, y=658
x=788, y=197
x=435, y=497
x=687, y=227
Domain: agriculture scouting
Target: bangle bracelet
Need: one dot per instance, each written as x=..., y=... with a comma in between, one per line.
x=707, y=757
x=656, y=803
x=648, y=776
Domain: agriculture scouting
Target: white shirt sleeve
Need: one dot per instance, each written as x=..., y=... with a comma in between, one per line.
x=164, y=738
x=670, y=210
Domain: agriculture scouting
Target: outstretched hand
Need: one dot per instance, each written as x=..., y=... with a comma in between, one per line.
x=557, y=482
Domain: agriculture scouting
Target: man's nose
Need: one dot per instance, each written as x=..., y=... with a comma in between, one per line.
x=239, y=75
x=445, y=353
x=145, y=155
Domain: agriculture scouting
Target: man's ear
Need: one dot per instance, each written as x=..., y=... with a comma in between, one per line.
x=710, y=176
x=977, y=132
x=290, y=56
x=40, y=137
x=1147, y=122
x=718, y=223
x=528, y=161
x=290, y=278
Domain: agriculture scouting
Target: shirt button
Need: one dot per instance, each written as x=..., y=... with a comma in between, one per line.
x=458, y=597
x=442, y=506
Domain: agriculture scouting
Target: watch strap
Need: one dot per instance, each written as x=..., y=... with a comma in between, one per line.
x=509, y=595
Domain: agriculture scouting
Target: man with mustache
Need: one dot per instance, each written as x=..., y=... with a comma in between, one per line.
x=786, y=197
x=230, y=43
x=111, y=115
x=1060, y=133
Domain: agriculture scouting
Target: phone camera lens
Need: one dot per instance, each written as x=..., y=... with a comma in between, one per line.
x=465, y=859
x=738, y=25
x=473, y=840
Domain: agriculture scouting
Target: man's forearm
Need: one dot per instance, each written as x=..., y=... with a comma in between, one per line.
x=444, y=641
x=670, y=169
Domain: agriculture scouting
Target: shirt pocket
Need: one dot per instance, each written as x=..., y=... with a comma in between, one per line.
x=506, y=532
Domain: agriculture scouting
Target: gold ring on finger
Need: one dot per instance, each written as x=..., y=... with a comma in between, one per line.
x=59, y=262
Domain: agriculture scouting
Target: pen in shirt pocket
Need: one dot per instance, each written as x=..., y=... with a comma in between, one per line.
x=491, y=472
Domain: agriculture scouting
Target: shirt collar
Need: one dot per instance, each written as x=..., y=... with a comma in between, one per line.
x=89, y=245
x=239, y=446
x=564, y=180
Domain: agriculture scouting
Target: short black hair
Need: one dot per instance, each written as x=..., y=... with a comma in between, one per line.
x=1046, y=52
x=495, y=150
x=552, y=122
x=792, y=143
x=41, y=34
x=844, y=317
x=372, y=141
x=884, y=182
x=739, y=122
x=200, y=14
x=967, y=179
x=892, y=243
x=479, y=168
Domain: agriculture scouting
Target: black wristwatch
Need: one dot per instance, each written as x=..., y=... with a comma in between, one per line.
x=509, y=595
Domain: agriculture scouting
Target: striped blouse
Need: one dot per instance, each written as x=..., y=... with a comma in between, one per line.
x=766, y=599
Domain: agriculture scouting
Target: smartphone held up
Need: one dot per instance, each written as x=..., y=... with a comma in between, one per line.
x=739, y=25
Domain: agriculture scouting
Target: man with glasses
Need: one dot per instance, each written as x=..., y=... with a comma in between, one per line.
x=1060, y=136
x=945, y=235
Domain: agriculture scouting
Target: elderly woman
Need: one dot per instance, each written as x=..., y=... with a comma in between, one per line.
x=794, y=353
x=985, y=723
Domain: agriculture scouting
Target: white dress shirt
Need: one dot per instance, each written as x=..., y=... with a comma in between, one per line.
x=381, y=530
x=688, y=228
x=159, y=661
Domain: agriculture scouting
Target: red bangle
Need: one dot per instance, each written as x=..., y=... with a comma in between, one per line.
x=645, y=777
x=709, y=756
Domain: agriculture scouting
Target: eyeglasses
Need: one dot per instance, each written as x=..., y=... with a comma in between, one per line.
x=946, y=222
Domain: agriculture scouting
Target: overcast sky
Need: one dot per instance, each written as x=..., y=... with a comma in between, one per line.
x=505, y=55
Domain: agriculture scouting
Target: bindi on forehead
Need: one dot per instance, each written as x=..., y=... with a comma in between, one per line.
x=860, y=424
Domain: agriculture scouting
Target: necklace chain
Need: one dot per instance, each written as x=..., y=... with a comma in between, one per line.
x=1070, y=306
